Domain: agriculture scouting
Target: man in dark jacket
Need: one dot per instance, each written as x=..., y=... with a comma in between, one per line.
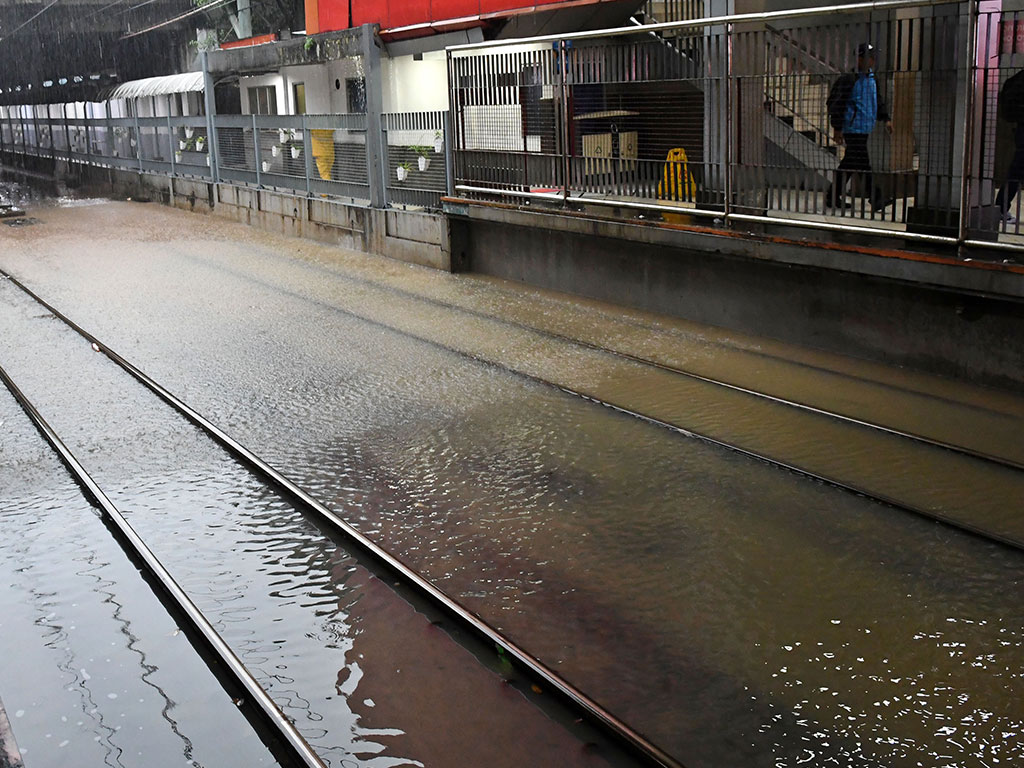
x=855, y=104
x=1011, y=109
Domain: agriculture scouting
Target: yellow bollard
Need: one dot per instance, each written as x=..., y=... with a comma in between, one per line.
x=323, y=151
x=677, y=185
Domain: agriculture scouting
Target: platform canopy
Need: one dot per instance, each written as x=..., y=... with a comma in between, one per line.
x=158, y=86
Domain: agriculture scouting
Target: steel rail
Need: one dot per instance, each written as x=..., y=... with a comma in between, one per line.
x=302, y=752
x=1001, y=461
x=601, y=716
x=989, y=458
x=269, y=471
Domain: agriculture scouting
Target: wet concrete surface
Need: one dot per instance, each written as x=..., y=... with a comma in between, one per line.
x=733, y=612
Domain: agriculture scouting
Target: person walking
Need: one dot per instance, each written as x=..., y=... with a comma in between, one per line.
x=1011, y=109
x=855, y=104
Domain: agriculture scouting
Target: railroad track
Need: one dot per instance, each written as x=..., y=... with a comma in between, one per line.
x=532, y=667
x=962, y=486
x=273, y=726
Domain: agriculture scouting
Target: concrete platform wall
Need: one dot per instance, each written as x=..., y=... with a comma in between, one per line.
x=935, y=315
x=411, y=236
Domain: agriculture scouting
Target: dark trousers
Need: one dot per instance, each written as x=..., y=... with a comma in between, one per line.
x=855, y=163
x=1014, y=176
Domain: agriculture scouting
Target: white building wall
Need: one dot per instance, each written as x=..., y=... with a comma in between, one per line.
x=415, y=86
x=314, y=78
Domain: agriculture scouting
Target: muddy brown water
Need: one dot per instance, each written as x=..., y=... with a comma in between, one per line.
x=734, y=612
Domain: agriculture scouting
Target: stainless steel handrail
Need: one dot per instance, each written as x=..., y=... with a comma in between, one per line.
x=831, y=10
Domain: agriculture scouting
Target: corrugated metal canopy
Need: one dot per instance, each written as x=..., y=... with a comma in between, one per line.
x=158, y=86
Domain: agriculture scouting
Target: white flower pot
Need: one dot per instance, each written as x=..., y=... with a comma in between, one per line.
x=266, y=166
x=181, y=145
x=402, y=173
x=295, y=153
x=188, y=133
x=438, y=145
x=423, y=163
x=199, y=144
x=177, y=157
x=207, y=161
x=282, y=136
x=275, y=150
x=295, y=134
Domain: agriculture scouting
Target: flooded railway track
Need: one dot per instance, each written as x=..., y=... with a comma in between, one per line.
x=748, y=598
x=960, y=482
x=564, y=702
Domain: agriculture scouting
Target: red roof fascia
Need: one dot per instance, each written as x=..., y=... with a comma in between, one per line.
x=478, y=20
x=250, y=41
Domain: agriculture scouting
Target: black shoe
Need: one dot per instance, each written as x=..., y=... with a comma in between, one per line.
x=880, y=204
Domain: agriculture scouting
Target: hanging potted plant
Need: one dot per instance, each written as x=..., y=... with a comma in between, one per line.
x=295, y=134
x=421, y=157
x=182, y=144
x=200, y=141
x=402, y=171
x=282, y=136
x=296, y=150
x=266, y=166
x=188, y=132
x=438, y=142
x=275, y=150
x=177, y=156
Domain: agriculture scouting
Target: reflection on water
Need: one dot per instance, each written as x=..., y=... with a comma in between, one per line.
x=95, y=672
x=735, y=613
x=331, y=644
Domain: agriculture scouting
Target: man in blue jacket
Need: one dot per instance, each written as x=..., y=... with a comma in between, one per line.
x=855, y=104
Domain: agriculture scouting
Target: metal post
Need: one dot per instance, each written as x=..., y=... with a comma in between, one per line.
x=374, y=108
x=730, y=99
x=307, y=156
x=968, y=134
x=170, y=143
x=109, y=151
x=209, y=99
x=449, y=125
x=35, y=125
x=67, y=129
x=88, y=133
x=256, y=148
x=138, y=133
x=449, y=159
x=563, y=76
x=384, y=161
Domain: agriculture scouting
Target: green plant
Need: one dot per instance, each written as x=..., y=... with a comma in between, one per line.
x=406, y=166
x=421, y=151
x=310, y=42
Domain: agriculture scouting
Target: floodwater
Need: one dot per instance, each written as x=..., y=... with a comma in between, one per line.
x=367, y=678
x=94, y=670
x=733, y=612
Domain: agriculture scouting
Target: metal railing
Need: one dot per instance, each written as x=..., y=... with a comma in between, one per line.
x=308, y=154
x=415, y=158
x=622, y=119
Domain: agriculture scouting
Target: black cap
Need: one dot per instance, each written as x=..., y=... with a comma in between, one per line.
x=865, y=49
